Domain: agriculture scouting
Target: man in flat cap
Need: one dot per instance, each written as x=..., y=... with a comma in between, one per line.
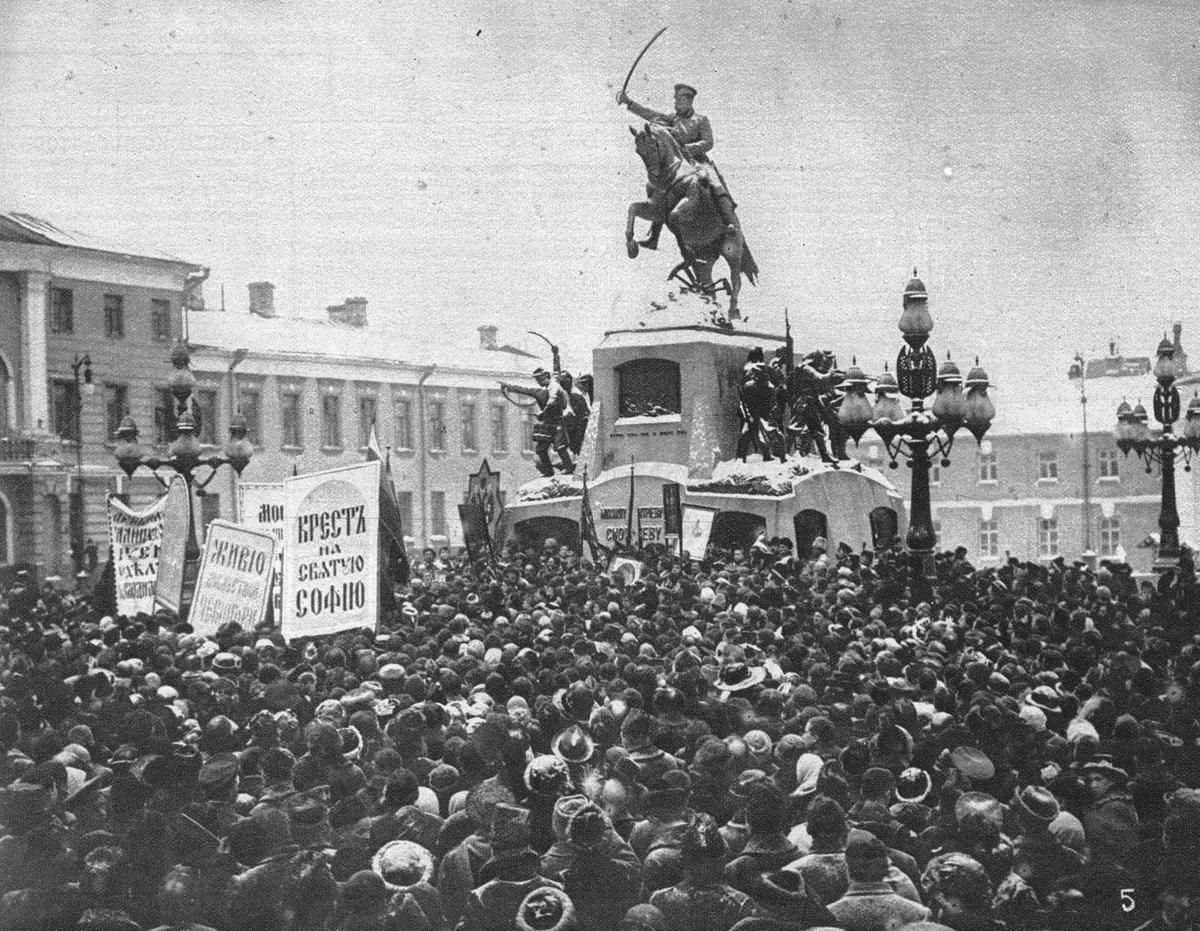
x=694, y=134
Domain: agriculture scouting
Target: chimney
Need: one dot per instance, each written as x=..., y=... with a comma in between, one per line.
x=487, y=336
x=1177, y=330
x=351, y=312
x=1112, y=348
x=262, y=298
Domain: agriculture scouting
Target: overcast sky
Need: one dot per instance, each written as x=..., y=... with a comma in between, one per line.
x=460, y=163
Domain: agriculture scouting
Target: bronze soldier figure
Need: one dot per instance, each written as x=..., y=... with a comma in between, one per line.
x=575, y=427
x=694, y=134
x=810, y=397
x=554, y=411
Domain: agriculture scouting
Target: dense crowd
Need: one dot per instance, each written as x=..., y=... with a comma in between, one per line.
x=755, y=741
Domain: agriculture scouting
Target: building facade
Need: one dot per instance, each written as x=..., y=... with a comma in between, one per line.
x=311, y=389
x=1041, y=485
x=85, y=331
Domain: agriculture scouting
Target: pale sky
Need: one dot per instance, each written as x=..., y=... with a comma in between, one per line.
x=461, y=163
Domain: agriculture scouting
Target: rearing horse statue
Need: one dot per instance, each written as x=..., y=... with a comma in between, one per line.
x=680, y=196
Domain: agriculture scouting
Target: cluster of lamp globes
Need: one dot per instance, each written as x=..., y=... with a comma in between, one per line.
x=185, y=450
x=1133, y=431
x=957, y=402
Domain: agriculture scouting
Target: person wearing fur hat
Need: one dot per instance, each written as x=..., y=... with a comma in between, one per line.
x=508, y=876
x=459, y=870
x=703, y=899
x=598, y=869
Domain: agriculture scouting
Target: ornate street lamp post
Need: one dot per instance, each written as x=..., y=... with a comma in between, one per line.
x=911, y=434
x=185, y=455
x=1133, y=433
x=81, y=375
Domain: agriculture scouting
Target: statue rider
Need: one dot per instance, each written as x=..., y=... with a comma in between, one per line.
x=554, y=412
x=575, y=427
x=694, y=134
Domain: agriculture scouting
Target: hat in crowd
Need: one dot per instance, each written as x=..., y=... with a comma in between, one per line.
x=973, y=763
x=913, y=785
x=735, y=677
x=573, y=745
x=546, y=909
x=1037, y=804
x=1104, y=766
x=402, y=864
x=981, y=804
x=864, y=847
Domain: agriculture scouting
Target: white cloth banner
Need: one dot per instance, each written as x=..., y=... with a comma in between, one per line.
x=260, y=505
x=235, y=578
x=172, y=555
x=697, y=525
x=331, y=551
x=136, y=538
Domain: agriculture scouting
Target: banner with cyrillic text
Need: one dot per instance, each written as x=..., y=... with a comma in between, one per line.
x=172, y=556
x=260, y=507
x=136, y=538
x=234, y=583
x=331, y=551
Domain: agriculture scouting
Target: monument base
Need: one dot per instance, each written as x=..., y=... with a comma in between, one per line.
x=800, y=499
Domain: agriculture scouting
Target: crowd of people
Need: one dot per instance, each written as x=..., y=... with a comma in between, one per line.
x=756, y=741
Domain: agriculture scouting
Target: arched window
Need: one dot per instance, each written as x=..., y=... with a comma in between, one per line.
x=734, y=529
x=537, y=530
x=809, y=524
x=648, y=388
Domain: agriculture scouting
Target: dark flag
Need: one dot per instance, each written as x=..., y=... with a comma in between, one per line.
x=395, y=556
x=587, y=528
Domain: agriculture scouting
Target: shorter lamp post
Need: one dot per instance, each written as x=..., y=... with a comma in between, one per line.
x=184, y=457
x=81, y=375
x=911, y=434
x=1133, y=433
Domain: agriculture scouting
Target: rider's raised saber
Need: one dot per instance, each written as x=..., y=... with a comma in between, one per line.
x=633, y=67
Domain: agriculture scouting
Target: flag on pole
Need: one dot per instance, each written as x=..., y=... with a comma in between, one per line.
x=392, y=537
x=587, y=527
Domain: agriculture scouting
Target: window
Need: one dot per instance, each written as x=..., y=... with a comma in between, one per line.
x=331, y=421
x=116, y=406
x=206, y=413
x=404, y=426
x=164, y=416
x=937, y=533
x=1110, y=535
x=250, y=406
x=290, y=432
x=64, y=409
x=437, y=513
x=989, y=538
x=1110, y=465
x=1048, y=467
x=527, y=423
x=988, y=471
x=499, y=428
x=648, y=388
x=1047, y=537
x=404, y=503
x=160, y=319
x=470, y=432
x=114, y=316
x=62, y=310
x=367, y=406
x=935, y=474
x=437, y=425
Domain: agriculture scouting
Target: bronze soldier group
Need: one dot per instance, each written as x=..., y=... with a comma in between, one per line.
x=787, y=408
x=564, y=406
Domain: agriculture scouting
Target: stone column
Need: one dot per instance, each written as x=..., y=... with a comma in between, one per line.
x=35, y=294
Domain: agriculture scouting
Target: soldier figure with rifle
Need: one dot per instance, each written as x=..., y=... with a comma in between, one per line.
x=555, y=416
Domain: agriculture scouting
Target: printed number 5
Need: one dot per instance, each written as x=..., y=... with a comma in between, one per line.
x=1127, y=902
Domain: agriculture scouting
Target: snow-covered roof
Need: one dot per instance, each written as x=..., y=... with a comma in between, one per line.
x=24, y=227
x=309, y=338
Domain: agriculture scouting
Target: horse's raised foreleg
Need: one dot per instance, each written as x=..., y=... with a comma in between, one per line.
x=644, y=210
